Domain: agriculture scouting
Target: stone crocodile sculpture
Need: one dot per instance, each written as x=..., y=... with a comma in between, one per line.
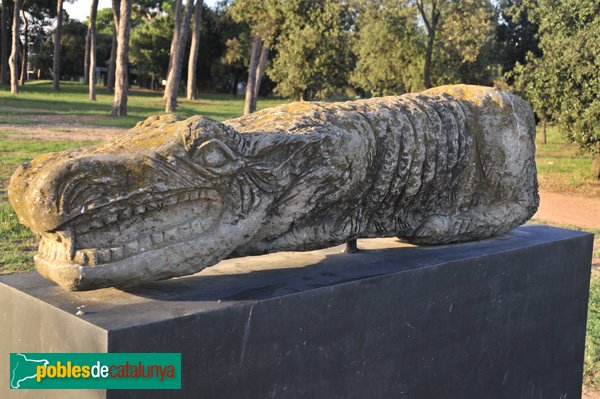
x=174, y=196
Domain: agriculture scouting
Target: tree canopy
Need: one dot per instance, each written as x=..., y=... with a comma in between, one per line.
x=388, y=46
x=547, y=50
x=563, y=82
x=313, y=49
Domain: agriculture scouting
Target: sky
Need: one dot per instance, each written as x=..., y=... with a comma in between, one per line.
x=80, y=9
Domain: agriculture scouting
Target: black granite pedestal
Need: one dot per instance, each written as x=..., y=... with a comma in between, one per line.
x=499, y=318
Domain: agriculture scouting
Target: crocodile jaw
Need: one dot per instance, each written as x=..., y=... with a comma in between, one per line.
x=186, y=255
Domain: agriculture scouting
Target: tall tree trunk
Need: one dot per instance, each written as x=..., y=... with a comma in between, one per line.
x=596, y=166
x=431, y=23
x=260, y=69
x=121, y=76
x=25, y=48
x=92, y=36
x=110, y=78
x=428, y=55
x=250, y=103
x=14, y=53
x=4, y=34
x=175, y=38
x=110, y=75
x=174, y=77
x=236, y=81
x=543, y=127
x=57, y=35
x=86, y=57
x=192, y=91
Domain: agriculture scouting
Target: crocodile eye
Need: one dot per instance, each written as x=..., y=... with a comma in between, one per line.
x=215, y=155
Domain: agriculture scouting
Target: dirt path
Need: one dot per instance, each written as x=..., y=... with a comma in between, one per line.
x=587, y=394
x=569, y=209
x=60, y=131
x=46, y=116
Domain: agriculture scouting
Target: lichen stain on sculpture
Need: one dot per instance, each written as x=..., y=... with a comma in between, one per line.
x=173, y=196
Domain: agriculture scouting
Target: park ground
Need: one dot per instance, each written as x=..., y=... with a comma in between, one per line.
x=39, y=120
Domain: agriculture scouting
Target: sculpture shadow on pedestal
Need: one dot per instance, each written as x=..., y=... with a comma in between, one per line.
x=256, y=278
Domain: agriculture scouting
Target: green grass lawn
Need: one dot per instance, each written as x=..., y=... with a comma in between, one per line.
x=563, y=168
x=17, y=243
x=38, y=98
x=591, y=373
x=560, y=166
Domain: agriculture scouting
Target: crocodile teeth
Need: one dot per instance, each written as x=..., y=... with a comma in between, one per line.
x=114, y=213
x=125, y=213
x=170, y=234
x=81, y=257
x=103, y=255
x=92, y=257
x=144, y=243
x=110, y=218
x=184, y=231
x=116, y=253
x=110, y=236
x=42, y=247
x=170, y=201
x=157, y=238
x=130, y=248
x=183, y=196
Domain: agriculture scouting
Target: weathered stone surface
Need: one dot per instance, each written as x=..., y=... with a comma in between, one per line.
x=173, y=196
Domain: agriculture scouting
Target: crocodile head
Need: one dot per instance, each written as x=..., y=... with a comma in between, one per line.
x=170, y=191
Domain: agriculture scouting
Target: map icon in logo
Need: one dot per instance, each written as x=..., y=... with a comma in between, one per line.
x=23, y=369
